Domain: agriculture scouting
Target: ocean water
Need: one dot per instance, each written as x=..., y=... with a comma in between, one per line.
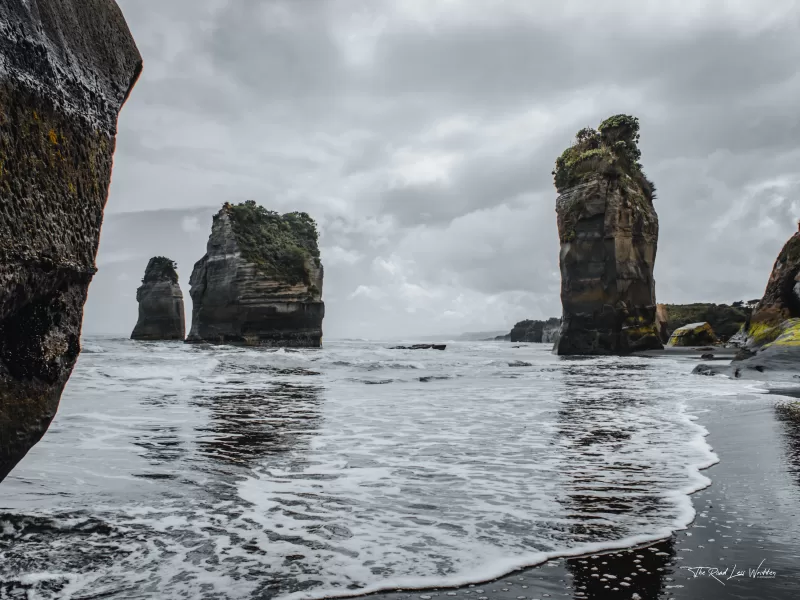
x=183, y=471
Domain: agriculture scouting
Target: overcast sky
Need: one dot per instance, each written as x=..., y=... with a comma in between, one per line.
x=421, y=136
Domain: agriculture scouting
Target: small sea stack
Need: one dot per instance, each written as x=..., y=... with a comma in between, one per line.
x=161, y=314
x=608, y=230
x=260, y=282
x=66, y=68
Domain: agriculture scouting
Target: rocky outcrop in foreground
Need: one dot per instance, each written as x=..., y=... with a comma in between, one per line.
x=161, y=315
x=66, y=68
x=260, y=282
x=608, y=229
x=771, y=336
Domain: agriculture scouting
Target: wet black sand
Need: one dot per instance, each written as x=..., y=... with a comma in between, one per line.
x=747, y=520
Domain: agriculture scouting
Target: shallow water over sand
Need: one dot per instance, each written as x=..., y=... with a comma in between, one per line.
x=217, y=472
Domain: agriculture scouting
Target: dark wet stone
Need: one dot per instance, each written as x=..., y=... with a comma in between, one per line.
x=66, y=68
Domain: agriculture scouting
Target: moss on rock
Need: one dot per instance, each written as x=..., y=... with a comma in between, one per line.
x=611, y=151
x=694, y=334
x=279, y=245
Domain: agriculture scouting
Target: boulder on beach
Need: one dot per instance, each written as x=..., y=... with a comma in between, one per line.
x=66, y=68
x=420, y=347
x=608, y=230
x=693, y=334
x=724, y=319
x=161, y=314
x=260, y=282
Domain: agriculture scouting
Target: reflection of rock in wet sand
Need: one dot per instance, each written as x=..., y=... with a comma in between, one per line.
x=248, y=425
x=789, y=416
x=600, y=499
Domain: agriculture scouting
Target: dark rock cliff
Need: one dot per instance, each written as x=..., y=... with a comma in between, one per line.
x=66, y=68
x=535, y=331
x=608, y=229
x=161, y=315
x=260, y=282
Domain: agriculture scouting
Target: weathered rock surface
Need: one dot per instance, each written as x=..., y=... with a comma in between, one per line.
x=66, y=68
x=771, y=336
x=662, y=318
x=608, y=229
x=161, y=314
x=693, y=334
x=260, y=282
x=535, y=331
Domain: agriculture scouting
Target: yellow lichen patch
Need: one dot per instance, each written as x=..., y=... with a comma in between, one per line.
x=789, y=334
x=761, y=333
x=692, y=335
x=53, y=137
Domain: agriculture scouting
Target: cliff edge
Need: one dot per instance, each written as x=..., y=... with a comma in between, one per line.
x=608, y=230
x=260, y=282
x=66, y=68
x=161, y=313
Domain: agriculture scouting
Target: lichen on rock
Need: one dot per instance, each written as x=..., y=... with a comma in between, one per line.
x=608, y=229
x=260, y=282
x=66, y=68
x=693, y=334
x=161, y=312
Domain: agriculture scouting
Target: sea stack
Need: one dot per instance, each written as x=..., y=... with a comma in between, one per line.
x=66, y=68
x=608, y=229
x=260, y=282
x=161, y=315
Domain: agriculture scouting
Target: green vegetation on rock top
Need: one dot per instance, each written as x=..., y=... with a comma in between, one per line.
x=160, y=268
x=278, y=245
x=611, y=150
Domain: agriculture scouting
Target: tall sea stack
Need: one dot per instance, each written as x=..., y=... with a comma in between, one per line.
x=260, y=282
x=66, y=68
x=608, y=229
x=161, y=315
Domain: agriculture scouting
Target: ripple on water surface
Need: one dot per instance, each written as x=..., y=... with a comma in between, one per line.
x=186, y=471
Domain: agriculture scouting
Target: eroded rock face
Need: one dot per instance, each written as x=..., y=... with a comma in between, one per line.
x=535, y=331
x=66, y=68
x=608, y=229
x=238, y=295
x=693, y=334
x=609, y=233
x=161, y=314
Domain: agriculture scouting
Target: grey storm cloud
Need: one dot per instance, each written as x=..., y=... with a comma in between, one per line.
x=421, y=135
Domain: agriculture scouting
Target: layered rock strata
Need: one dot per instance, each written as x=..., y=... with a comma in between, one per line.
x=260, y=282
x=66, y=68
x=608, y=229
x=161, y=313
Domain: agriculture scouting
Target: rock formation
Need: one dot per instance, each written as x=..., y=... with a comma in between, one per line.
x=772, y=334
x=724, y=319
x=535, y=331
x=161, y=315
x=694, y=334
x=260, y=282
x=608, y=229
x=66, y=68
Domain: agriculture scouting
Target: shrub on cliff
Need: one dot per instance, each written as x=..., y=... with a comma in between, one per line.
x=277, y=244
x=611, y=150
x=160, y=268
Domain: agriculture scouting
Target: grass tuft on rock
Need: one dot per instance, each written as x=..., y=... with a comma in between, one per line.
x=279, y=245
x=611, y=150
x=160, y=268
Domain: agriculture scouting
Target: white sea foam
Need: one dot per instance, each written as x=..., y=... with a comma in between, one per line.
x=253, y=473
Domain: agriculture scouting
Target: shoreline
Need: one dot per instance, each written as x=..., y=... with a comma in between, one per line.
x=740, y=544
